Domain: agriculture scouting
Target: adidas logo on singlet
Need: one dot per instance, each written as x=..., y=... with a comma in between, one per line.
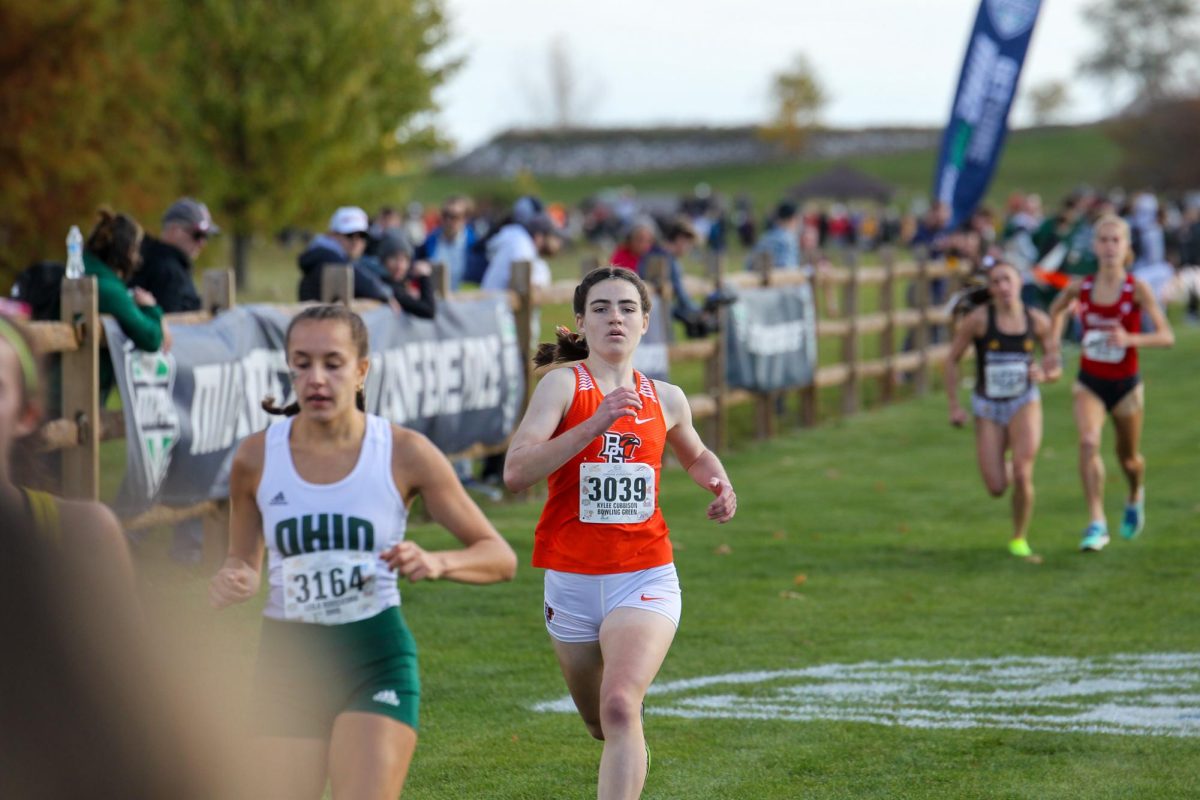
x=387, y=696
x=279, y=500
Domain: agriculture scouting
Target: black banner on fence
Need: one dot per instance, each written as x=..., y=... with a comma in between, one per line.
x=772, y=339
x=457, y=378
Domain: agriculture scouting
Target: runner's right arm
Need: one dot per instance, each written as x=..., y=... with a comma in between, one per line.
x=240, y=575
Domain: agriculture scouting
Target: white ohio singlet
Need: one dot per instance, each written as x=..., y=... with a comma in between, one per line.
x=324, y=540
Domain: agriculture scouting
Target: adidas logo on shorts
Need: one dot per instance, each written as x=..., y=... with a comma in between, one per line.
x=387, y=696
x=279, y=500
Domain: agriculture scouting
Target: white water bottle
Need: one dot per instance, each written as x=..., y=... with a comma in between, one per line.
x=74, y=253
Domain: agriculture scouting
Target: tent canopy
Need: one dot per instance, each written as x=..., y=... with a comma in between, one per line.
x=843, y=182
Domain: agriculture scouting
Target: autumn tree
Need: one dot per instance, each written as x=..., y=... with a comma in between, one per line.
x=81, y=109
x=797, y=98
x=1152, y=45
x=286, y=109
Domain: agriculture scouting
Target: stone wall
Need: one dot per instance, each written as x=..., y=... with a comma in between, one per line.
x=604, y=151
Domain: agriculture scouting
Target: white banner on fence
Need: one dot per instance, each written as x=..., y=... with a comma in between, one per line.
x=458, y=379
x=772, y=339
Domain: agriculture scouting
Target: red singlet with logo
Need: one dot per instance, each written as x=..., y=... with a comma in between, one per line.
x=602, y=515
x=1098, y=358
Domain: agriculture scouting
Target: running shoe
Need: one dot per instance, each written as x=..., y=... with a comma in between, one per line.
x=1095, y=536
x=1019, y=548
x=1134, y=519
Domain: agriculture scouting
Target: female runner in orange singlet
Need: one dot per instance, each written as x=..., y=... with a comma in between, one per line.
x=596, y=431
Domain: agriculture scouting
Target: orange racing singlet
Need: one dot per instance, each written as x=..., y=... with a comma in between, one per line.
x=602, y=515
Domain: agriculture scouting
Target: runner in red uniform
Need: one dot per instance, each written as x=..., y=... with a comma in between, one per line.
x=1109, y=305
x=596, y=431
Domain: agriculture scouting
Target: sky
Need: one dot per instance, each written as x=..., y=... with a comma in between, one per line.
x=645, y=62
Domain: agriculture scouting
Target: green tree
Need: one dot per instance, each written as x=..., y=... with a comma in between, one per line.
x=80, y=105
x=797, y=98
x=1151, y=44
x=288, y=111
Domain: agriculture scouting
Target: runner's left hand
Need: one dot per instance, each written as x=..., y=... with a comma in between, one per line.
x=414, y=562
x=725, y=506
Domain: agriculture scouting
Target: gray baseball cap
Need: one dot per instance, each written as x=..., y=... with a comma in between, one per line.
x=191, y=212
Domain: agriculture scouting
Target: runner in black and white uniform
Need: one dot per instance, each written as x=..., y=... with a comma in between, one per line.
x=326, y=494
x=1006, y=402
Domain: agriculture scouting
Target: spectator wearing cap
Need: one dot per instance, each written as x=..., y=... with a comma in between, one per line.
x=451, y=241
x=343, y=243
x=639, y=238
x=534, y=241
x=166, y=270
x=781, y=241
x=410, y=282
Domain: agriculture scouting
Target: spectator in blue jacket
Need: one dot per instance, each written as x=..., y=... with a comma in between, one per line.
x=782, y=240
x=678, y=238
x=344, y=243
x=452, y=241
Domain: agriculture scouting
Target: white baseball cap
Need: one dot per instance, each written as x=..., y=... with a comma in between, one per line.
x=348, y=219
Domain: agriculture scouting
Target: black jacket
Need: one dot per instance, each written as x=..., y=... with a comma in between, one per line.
x=317, y=255
x=166, y=273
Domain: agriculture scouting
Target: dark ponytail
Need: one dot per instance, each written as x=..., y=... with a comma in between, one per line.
x=570, y=346
x=358, y=334
x=115, y=240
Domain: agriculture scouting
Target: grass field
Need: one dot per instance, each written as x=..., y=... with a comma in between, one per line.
x=869, y=539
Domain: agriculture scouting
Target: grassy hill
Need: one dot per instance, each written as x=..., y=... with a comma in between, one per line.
x=1050, y=161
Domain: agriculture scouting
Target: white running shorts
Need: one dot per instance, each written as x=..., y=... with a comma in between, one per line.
x=576, y=604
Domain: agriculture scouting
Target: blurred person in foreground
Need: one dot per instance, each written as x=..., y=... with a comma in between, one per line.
x=87, y=710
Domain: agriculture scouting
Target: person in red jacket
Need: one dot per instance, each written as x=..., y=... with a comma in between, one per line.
x=1109, y=306
x=638, y=240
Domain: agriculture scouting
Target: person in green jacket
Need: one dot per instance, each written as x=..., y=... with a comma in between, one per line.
x=112, y=253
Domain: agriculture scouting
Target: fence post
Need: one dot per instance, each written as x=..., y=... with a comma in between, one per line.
x=887, y=337
x=520, y=282
x=81, y=389
x=440, y=278
x=337, y=283
x=851, y=399
x=587, y=264
x=716, y=378
x=764, y=402
x=218, y=291
x=808, y=395
x=921, y=338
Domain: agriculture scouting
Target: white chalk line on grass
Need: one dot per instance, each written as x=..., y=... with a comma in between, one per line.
x=1149, y=694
